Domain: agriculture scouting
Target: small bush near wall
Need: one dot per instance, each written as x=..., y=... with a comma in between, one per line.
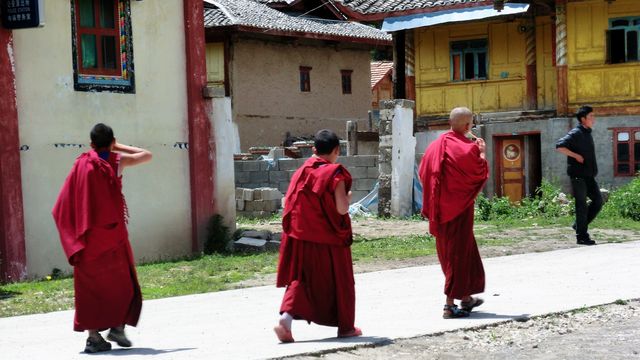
x=218, y=236
x=625, y=201
x=549, y=202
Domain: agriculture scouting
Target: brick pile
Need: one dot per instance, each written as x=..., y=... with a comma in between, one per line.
x=258, y=203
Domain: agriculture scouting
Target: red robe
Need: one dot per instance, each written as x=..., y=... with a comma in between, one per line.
x=90, y=217
x=315, y=255
x=452, y=174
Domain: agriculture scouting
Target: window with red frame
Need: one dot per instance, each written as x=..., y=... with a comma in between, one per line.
x=98, y=36
x=346, y=81
x=626, y=151
x=102, y=45
x=305, y=78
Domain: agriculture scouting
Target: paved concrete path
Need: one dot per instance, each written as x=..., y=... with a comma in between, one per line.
x=391, y=304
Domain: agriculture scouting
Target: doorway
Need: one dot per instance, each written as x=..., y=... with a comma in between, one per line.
x=518, y=165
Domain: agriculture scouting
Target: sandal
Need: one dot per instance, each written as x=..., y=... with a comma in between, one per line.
x=469, y=305
x=453, y=312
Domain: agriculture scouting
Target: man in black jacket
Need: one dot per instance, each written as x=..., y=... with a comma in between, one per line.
x=582, y=169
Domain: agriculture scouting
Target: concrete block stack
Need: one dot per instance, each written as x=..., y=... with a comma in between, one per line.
x=258, y=203
x=277, y=174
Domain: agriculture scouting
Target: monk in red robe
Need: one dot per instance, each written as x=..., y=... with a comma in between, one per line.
x=453, y=171
x=90, y=215
x=315, y=254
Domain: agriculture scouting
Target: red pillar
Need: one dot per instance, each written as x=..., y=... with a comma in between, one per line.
x=13, y=260
x=201, y=147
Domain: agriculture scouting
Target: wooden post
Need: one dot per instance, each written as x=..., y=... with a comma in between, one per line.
x=13, y=260
x=562, y=103
x=201, y=147
x=532, y=75
x=352, y=138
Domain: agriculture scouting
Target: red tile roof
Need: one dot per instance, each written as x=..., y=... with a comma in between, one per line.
x=379, y=69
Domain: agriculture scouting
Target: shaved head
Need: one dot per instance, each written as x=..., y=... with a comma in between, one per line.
x=459, y=118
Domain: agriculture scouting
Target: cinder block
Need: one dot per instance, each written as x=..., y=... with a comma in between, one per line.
x=288, y=164
x=259, y=176
x=257, y=193
x=271, y=194
x=283, y=187
x=267, y=205
x=237, y=166
x=242, y=177
x=251, y=206
x=252, y=165
x=249, y=244
x=373, y=172
x=267, y=165
x=358, y=172
x=247, y=195
x=239, y=193
x=364, y=184
x=240, y=204
x=257, y=234
x=277, y=176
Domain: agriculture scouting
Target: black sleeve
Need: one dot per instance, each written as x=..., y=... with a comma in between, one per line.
x=568, y=141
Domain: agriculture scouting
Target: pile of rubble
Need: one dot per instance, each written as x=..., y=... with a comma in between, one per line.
x=258, y=241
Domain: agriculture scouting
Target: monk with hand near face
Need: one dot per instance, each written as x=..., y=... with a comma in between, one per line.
x=453, y=170
x=91, y=217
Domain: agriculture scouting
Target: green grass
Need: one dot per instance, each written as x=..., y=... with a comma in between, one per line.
x=392, y=248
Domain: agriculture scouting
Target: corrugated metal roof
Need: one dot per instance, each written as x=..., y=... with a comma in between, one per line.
x=380, y=69
x=253, y=14
x=368, y=7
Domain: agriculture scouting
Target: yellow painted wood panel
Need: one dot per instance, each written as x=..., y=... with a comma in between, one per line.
x=498, y=45
x=618, y=83
x=622, y=8
x=425, y=44
x=467, y=31
x=485, y=97
x=456, y=96
x=546, y=72
x=442, y=49
x=430, y=101
x=516, y=44
x=587, y=23
x=215, y=63
x=511, y=96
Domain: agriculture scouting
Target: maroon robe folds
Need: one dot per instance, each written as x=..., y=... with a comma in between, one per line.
x=90, y=217
x=452, y=174
x=315, y=255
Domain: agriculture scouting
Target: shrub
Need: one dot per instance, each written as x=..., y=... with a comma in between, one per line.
x=625, y=201
x=548, y=202
x=218, y=236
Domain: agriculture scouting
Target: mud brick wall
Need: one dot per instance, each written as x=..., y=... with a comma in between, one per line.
x=252, y=174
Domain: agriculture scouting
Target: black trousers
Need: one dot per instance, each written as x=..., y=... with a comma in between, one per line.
x=584, y=188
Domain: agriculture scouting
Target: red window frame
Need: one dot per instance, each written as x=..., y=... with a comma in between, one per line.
x=631, y=142
x=346, y=81
x=305, y=78
x=99, y=33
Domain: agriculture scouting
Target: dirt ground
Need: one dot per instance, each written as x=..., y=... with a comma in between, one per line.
x=604, y=332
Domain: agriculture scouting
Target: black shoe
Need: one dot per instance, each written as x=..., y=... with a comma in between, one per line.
x=585, y=242
x=94, y=346
x=119, y=337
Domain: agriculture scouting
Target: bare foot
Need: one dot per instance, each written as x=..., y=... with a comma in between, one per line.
x=283, y=333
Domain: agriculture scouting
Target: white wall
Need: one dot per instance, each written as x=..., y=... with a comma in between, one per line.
x=50, y=112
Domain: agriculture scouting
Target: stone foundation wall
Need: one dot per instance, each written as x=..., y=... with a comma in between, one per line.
x=277, y=174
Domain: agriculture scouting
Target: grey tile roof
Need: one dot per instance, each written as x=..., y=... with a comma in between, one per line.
x=250, y=13
x=386, y=6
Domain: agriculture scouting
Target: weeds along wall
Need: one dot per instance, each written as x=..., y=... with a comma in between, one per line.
x=277, y=174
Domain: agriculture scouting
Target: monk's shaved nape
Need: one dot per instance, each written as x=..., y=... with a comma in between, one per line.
x=459, y=117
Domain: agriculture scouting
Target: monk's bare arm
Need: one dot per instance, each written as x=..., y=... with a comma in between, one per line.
x=131, y=155
x=343, y=198
x=570, y=153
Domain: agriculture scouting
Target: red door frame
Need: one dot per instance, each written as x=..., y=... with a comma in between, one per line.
x=201, y=146
x=13, y=266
